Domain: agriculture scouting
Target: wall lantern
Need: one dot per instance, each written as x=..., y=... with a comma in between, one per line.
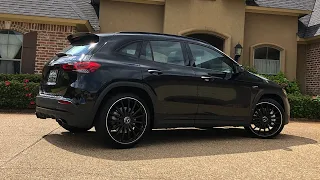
x=238, y=51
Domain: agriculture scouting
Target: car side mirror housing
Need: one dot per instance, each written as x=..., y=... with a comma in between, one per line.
x=240, y=69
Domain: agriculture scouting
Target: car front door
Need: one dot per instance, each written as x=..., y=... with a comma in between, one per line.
x=223, y=100
x=163, y=65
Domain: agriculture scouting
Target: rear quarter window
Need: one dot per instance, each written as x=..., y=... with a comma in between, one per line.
x=130, y=49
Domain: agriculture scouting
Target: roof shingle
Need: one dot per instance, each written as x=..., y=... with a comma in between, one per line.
x=68, y=9
x=285, y=4
x=309, y=26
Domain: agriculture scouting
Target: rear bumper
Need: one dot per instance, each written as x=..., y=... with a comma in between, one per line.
x=74, y=115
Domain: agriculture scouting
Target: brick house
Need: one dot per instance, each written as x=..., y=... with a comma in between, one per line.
x=32, y=31
x=275, y=35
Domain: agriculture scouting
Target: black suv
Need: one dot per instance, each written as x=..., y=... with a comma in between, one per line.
x=126, y=83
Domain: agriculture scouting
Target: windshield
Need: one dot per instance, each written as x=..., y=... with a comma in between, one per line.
x=79, y=50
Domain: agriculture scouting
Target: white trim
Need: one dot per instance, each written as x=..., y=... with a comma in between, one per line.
x=6, y=59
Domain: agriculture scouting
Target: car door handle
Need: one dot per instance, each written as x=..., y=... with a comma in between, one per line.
x=207, y=78
x=154, y=71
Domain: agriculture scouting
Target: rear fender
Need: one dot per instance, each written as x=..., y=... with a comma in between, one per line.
x=103, y=94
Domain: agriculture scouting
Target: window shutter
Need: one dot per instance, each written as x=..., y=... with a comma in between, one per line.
x=29, y=53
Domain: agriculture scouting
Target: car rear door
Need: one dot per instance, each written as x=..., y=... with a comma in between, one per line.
x=164, y=69
x=223, y=100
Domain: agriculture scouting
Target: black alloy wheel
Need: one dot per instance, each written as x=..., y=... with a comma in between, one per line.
x=126, y=120
x=267, y=119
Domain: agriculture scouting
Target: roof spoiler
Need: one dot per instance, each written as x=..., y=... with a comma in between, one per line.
x=83, y=38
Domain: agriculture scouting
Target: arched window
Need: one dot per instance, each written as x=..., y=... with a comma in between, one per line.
x=10, y=51
x=267, y=60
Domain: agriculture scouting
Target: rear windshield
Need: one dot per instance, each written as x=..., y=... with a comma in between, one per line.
x=79, y=50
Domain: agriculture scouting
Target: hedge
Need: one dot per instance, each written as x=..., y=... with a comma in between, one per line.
x=18, y=91
x=304, y=107
x=36, y=78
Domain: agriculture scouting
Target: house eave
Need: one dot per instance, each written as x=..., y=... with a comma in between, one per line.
x=308, y=40
x=276, y=11
x=154, y=2
x=82, y=25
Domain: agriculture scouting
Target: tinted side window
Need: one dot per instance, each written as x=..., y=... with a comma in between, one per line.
x=130, y=49
x=210, y=59
x=167, y=52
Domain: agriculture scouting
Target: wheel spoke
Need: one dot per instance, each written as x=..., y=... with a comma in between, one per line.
x=122, y=136
x=128, y=109
x=137, y=122
x=119, y=111
x=137, y=117
x=129, y=132
x=134, y=105
x=140, y=108
x=123, y=108
x=118, y=131
x=260, y=113
x=132, y=130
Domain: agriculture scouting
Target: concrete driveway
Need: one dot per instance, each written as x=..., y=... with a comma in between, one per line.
x=31, y=148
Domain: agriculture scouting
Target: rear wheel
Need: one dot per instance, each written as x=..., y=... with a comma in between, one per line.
x=267, y=119
x=72, y=128
x=123, y=120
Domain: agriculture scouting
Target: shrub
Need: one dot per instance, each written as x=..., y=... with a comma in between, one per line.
x=304, y=107
x=251, y=69
x=18, y=95
x=36, y=78
x=291, y=87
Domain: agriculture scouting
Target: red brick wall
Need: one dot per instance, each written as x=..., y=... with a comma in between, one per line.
x=313, y=69
x=50, y=40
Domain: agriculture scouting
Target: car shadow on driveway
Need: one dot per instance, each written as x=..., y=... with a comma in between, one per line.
x=176, y=144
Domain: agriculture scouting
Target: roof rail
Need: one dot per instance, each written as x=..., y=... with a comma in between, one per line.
x=162, y=34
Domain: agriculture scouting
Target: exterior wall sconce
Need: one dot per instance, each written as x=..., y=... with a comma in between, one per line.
x=238, y=51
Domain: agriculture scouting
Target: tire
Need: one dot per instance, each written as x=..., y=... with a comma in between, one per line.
x=71, y=128
x=267, y=119
x=123, y=120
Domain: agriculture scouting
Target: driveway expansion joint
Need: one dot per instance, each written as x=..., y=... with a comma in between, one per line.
x=25, y=149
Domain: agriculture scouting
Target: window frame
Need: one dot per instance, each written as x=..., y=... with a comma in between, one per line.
x=15, y=60
x=192, y=60
x=272, y=47
x=182, y=45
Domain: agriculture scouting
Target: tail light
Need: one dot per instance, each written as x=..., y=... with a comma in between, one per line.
x=82, y=67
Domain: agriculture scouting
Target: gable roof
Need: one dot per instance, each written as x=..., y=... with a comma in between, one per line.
x=68, y=9
x=284, y=4
x=309, y=26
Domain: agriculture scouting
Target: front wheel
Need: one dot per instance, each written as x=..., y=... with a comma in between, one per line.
x=123, y=120
x=267, y=119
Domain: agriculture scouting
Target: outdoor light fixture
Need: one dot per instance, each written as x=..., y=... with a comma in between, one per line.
x=238, y=51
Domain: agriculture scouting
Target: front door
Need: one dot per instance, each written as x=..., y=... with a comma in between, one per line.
x=164, y=68
x=222, y=99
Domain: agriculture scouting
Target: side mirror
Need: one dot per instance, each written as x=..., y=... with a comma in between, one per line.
x=240, y=69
